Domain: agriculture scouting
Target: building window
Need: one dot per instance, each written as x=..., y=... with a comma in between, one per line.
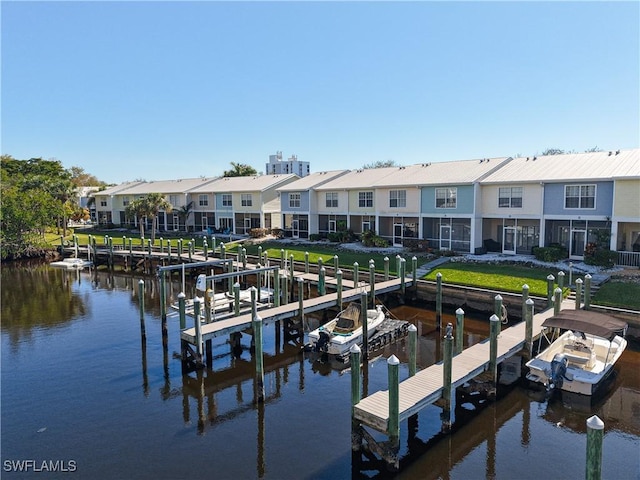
x=294, y=200
x=446, y=197
x=103, y=203
x=332, y=199
x=580, y=196
x=125, y=201
x=397, y=198
x=510, y=197
x=203, y=200
x=365, y=199
x=245, y=200
x=173, y=200
x=227, y=200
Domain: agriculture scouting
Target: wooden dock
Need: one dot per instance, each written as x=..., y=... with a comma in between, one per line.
x=290, y=310
x=426, y=386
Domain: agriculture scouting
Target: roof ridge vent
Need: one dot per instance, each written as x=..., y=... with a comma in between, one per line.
x=609, y=153
x=617, y=152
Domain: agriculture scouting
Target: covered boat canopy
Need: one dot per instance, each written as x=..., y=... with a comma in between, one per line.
x=586, y=321
x=349, y=319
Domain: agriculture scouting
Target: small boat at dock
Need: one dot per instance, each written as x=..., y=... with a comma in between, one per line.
x=337, y=336
x=583, y=347
x=72, y=264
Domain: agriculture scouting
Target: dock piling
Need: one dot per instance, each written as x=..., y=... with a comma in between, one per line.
x=236, y=299
x=595, y=434
x=578, y=293
x=257, y=335
x=587, y=291
x=525, y=297
x=365, y=326
x=494, y=323
x=447, y=365
x=394, y=403
x=386, y=268
x=497, y=306
x=301, y=299
x=182, y=310
x=339, y=287
x=356, y=274
x=413, y=348
x=372, y=282
x=459, y=331
x=356, y=438
x=141, y=303
x=550, y=280
x=198, y=327
x=557, y=300
x=438, y=301
x=306, y=262
x=321, y=282
x=528, y=332
x=561, y=279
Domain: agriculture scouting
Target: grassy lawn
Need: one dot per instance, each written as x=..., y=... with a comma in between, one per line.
x=619, y=294
x=345, y=258
x=506, y=278
x=501, y=277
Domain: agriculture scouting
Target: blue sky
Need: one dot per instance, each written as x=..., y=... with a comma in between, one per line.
x=161, y=90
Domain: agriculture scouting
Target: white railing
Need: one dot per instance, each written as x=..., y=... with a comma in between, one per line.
x=628, y=259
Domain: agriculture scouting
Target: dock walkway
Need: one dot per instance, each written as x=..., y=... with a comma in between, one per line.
x=426, y=386
x=242, y=322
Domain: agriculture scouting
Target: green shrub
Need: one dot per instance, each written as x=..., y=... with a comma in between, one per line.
x=277, y=232
x=314, y=237
x=552, y=253
x=601, y=258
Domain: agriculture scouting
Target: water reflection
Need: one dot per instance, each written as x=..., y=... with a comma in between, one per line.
x=38, y=296
x=144, y=394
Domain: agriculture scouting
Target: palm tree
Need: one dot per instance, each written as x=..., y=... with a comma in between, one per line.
x=138, y=208
x=240, y=170
x=183, y=213
x=155, y=203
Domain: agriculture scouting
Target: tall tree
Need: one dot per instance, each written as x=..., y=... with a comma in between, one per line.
x=80, y=178
x=240, y=170
x=381, y=164
x=552, y=151
x=155, y=203
x=138, y=209
x=183, y=214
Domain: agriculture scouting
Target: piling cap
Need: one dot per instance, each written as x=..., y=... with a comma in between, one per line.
x=412, y=328
x=494, y=318
x=393, y=360
x=257, y=318
x=595, y=423
x=529, y=301
x=181, y=295
x=354, y=348
x=459, y=311
x=140, y=282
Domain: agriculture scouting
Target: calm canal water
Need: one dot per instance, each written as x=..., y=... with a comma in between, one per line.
x=81, y=388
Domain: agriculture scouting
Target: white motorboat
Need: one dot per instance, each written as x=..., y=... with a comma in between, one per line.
x=583, y=349
x=337, y=336
x=221, y=302
x=72, y=264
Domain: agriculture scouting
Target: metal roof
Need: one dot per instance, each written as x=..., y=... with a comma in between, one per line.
x=569, y=167
x=441, y=173
x=165, y=186
x=312, y=181
x=436, y=173
x=117, y=188
x=255, y=183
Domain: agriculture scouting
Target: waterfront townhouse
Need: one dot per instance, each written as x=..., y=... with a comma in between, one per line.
x=348, y=201
x=441, y=207
x=239, y=204
x=108, y=205
x=299, y=202
x=176, y=192
x=569, y=200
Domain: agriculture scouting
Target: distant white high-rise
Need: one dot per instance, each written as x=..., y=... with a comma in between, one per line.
x=293, y=165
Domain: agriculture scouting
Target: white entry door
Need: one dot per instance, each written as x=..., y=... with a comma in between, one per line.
x=397, y=234
x=295, y=229
x=509, y=240
x=445, y=237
